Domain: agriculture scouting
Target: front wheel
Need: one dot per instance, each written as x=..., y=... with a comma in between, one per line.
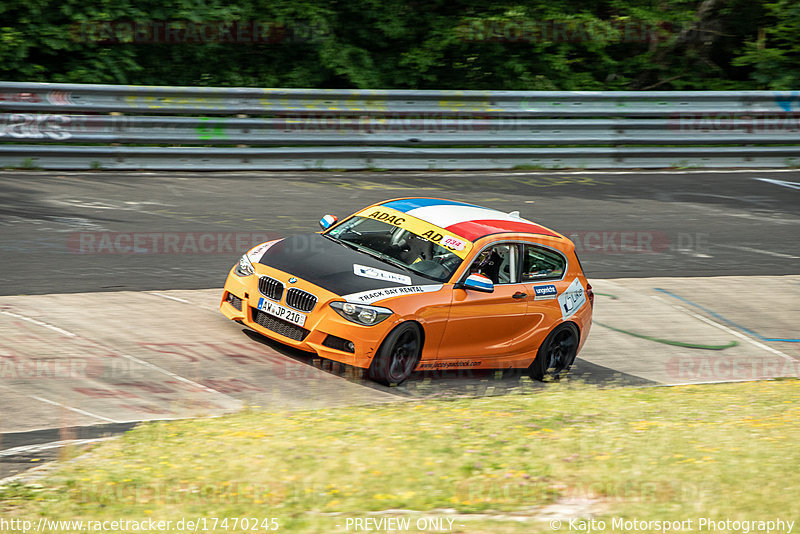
x=556, y=354
x=397, y=356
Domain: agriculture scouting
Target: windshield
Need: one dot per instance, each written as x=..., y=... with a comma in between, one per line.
x=398, y=246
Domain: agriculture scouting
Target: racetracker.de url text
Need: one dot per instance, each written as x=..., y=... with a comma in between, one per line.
x=195, y=524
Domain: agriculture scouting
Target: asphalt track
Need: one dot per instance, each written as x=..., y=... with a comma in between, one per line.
x=688, y=223
x=720, y=242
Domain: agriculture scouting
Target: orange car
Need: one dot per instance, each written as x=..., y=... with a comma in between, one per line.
x=419, y=283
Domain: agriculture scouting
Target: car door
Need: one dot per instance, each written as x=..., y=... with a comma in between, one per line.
x=487, y=326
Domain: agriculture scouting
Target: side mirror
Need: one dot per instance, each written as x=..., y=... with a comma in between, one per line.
x=478, y=282
x=328, y=221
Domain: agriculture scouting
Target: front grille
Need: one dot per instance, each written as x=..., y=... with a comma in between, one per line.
x=270, y=287
x=301, y=300
x=279, y=326
x=234, y=301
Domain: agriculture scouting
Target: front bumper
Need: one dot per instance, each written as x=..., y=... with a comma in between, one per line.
x=325, y=332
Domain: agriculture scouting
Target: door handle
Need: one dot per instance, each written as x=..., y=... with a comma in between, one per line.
x=519, y=295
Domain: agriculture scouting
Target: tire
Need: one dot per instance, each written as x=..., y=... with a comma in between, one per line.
x=397, y=356
x=556, y=354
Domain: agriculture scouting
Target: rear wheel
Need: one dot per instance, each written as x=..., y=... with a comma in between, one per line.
x=397, y=356
x=556, y=354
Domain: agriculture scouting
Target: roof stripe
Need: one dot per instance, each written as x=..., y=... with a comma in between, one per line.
x=414, y=203
x=465, y=220
x=474, y=230
x=444, y=216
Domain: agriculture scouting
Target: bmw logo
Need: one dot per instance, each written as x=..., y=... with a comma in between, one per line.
x=292, y=280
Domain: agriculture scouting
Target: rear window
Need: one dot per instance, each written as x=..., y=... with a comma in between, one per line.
x=541, y=263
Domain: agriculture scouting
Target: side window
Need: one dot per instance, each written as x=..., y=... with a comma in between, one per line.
x=498, y=263
x=540, y=263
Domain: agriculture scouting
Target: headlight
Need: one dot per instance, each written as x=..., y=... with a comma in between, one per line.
x=358, y=313
x=245, y=268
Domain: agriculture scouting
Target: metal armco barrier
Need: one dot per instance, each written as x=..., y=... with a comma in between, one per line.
x=76, y=126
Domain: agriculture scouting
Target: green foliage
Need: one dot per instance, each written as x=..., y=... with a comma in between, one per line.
x=774, y=55
x=439, y=44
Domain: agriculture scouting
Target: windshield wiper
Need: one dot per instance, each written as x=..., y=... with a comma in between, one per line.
x=382, y=257
x=372, y=253
x=339, y=241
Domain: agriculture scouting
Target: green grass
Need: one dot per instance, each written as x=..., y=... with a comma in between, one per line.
x=720, y=451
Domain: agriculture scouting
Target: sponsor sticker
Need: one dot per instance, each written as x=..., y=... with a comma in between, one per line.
x=571, y=300
x=449, y=364
x=426, y=230
x=256, y=253
x=547, y=292
x=446, y=241
x=453, y=243
x=369, y=297
x=379, y=274
x=387, y=216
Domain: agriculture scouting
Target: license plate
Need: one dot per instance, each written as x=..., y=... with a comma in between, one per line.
x=281, y=312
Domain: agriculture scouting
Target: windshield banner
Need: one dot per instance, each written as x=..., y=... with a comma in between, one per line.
x=458, y=245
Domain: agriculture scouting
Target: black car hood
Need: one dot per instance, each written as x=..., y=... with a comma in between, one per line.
x=330, y=265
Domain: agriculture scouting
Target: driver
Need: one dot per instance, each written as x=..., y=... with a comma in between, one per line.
x=489, y=266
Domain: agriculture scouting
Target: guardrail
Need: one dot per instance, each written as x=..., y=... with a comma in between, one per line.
x=76, y=126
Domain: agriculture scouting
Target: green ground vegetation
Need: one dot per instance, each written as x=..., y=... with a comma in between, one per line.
x=655, y=453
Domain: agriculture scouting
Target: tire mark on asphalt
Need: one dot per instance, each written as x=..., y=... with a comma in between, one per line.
x=659, y=340
x=721, y=318
x=134, y=359
x=724, y=328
